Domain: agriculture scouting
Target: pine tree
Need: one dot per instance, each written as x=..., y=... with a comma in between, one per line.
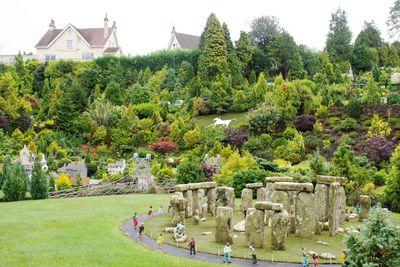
x=244, y=50
x=260, y=88
x=39, y=187
x=16, y=184
x=327, y=67
x=114, y=93
x=227, y=36
x=7, y=168
x=296, y=68
x=213, y=59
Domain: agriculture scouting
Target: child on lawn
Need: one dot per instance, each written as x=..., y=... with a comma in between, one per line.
x=160, y=241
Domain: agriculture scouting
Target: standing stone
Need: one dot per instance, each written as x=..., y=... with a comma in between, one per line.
x=224, y=220
x=305, y=218
x=261, y=194
x=281, y=197
x=342, y=205
x=279, y=230
x=365, y=203
x=178, y=209
x=211, y=201
x=226, y=197
x=201, y=194
x=189, y=203
x=319, y=226
x=334, y=211
x=321, y=202
x=196, y=200
x=254, y=228
x=196, y=218
x=246, y=199
x=204, y=209
x=292, y=219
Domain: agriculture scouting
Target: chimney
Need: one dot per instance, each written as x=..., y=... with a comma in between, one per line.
x=52, y=25
x=173, y=29
x=106, y=27
x=114, y=25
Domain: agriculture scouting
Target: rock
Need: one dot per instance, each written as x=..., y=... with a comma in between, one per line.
x=327, y=256
x=203, y=219
x=273, y=179
x=182, y=187
x=279, y=230
x=323, y=243
x=195, y=186
x=319, y=227
x=246, y=199
x=196, y=200
x=347, y=229
x=261, y=194
x=321, y=202
x=226, y=197
x=169, y=229
x=353, y=231
x=334, y=210
x=180, y=233
x=223, y=231
x=239, y=227
x=264, y=205
x=324, y=179
x=254, y=185
x=189, y=203
x=342, y=205
x=204, y=209
x=289, y=186
x=254, y=228
x=281, y=197
x=353, y=216
x=196, y=218
x=395, y=78
x=305, y=216
x=326, y=226
x=178, y=208
x=212, y=201
x=206, y=233
x=365, y=203
x=340, y=230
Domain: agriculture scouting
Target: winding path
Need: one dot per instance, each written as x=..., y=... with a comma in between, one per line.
x=145, y=240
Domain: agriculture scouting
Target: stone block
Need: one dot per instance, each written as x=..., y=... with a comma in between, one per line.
x=224, y=220
x=279, y=230
x=305, y=215
x=254, y=228
x=246, y=199
x=261, y=194
x=254, y=185
x=288, y=186
x=226, y=197
x=324, y=179
x=334, y=209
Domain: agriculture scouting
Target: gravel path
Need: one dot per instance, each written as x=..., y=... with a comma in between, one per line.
x=145, y=240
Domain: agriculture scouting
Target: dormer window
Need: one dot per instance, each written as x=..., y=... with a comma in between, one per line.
x=69, y=44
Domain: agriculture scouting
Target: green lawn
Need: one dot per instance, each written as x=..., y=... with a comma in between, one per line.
x=240, y=248
x=238, y=119
x=78, y=232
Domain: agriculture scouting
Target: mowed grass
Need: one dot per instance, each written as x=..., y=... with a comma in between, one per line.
x=240, y=248
x=78, y=232
x=207, y=120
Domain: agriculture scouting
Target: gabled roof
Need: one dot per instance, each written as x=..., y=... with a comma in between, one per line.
x=111, y=50
x=187, y=41
x=93, y=36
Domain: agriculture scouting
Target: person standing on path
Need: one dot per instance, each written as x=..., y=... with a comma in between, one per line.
x=135, y=220
x=253, y=254
x=160, y=210
x=150, y=211
x=227, y=253
x=315, y=260
x=141, y=230
x=345, y=263
x=160, y=241
x=192, y=246
x=304, y=258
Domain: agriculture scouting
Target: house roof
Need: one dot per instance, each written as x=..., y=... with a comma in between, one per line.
x=93, y=36
x=187, y=41
x=111, y=50
x=72, y=168
x=116, y=164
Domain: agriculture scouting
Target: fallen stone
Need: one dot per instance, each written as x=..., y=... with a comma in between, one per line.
x=254, y=185
x=206, y=233
x=353, y=231
x=288, y=186
x=324, y=179
x=326, y=226
x=323, y=243
x=340, y=230
x=327, y=256
x=169, y=229
x=239, y=227
x=311, y=252
x=203, y=219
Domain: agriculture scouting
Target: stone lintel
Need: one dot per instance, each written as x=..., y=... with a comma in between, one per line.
x=288, y=186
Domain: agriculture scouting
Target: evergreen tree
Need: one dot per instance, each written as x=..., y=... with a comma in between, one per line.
x=260, y=88
x=393, y=56
x=7, y=168
x=114, y=93
x=16, y=184
x=253, y=77
x=327, y=67
x=296, y=68
x=392, y=191
x=52, y=184
x=203, y=34
x=39, y=187
x=372, y=95
x=310, y=59
x=221, y=90
x=394, y=19
x=244, y=50
x=213, y=59
x=227, y=36
x=338, y=42
x=170, y=80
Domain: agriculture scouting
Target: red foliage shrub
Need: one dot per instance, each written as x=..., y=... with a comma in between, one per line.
x=164, y=146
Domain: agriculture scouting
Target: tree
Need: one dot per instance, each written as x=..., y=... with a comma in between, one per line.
x=392, y=191
x=189, y=172
x=244, y=50
x=39, y=187
x=7, y=169
x=393, y=21
x=263, y=29
x=227, y=36
x=260, y=88
x=16, y=184
x=137, y=94
x=11, y=104
x=213, y=59
x=327, y=67
x=378, y=242
x=338, y=42
x=372, y=95
x=63, y=182
x=296, y=68
x=282, y=51
x=310, y=60
x=221, y=91
x=114, y=93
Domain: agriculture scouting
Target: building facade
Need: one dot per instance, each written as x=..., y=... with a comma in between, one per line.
x=183, y=41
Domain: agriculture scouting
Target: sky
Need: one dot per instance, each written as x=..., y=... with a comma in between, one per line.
x=145, y=26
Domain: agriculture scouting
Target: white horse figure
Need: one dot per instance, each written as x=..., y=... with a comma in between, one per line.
x=218, y=121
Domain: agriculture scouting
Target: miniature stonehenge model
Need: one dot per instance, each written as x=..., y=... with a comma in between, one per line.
x=365, y=203
x=247, y=195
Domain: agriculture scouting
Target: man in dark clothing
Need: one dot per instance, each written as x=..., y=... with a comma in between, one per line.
x=192, y=246
x=141, y=230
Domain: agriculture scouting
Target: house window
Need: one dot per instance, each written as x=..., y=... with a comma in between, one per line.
x=49, y=58
x=69, y=44
x=87, y=56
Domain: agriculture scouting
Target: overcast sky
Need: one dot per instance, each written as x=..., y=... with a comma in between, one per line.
x=145, y=26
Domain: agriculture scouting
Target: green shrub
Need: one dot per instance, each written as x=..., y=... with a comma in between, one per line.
x=333, y=121
x=317, y=163
x=367, y=123
x=347, y=125
x=281, y=141
x=241, y=178
x=144, y=110
x=39, y=188
x=266, y=139
x=16, y=184
x=311, y=142
x=289, y=133
x=393, y=98
x=326, y=145
x=322, y=112
x=378, y=127
x=189, y=172
x=354, y=108
x=353, y=134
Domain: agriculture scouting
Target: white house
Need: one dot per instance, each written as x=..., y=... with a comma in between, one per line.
x=183, y=41
x=27, y=160
x=78, y=43
x=116, y=167
x=10, y=59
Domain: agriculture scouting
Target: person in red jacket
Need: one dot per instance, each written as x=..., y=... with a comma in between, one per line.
x=192, y=246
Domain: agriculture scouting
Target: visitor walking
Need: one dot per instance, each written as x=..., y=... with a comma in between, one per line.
x=135, y=220
x=315, y=259
x=192, y=246
x=169, y=208
x=358, y=208
x=150, y=211
x=227, y=253
x=345, y=263
x=141, y=230
x=253, y=254
x=160, y=241
x=160, y=210
x=304, y=259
